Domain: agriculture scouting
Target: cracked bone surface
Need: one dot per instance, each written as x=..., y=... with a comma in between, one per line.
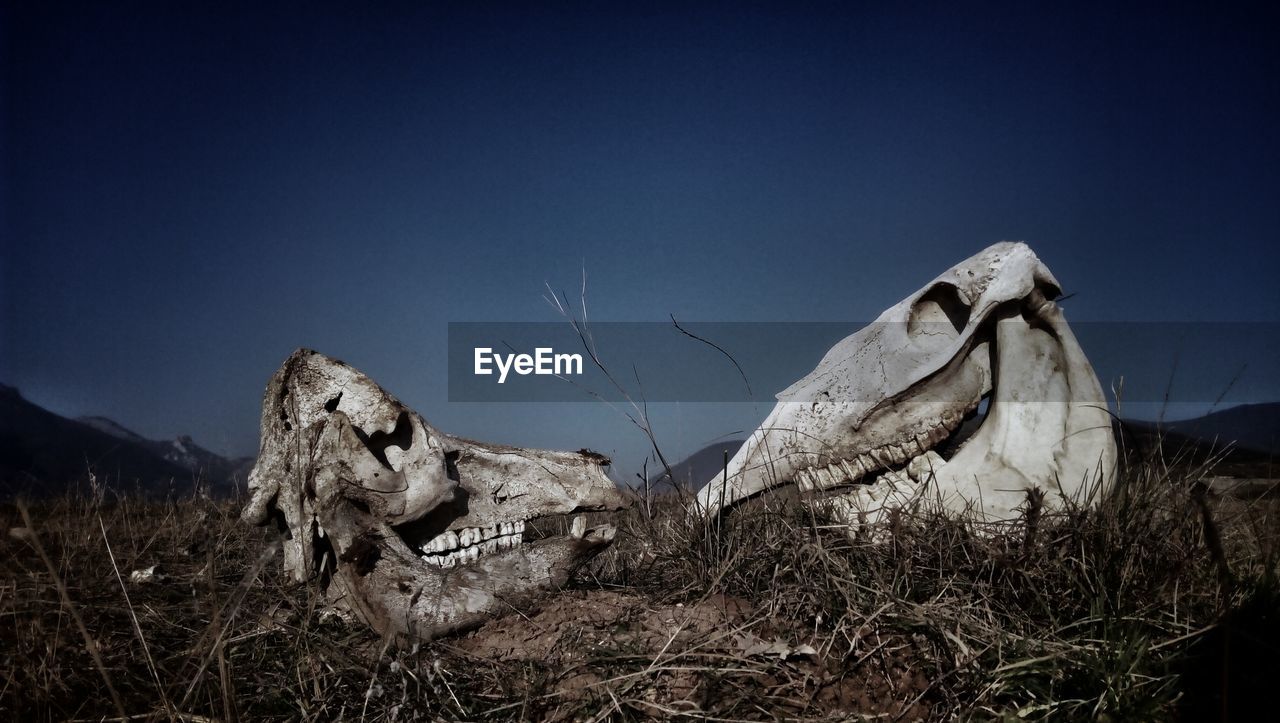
x=892, y=415
x=415, y=531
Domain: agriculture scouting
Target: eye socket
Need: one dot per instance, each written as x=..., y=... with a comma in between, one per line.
x=939, y=310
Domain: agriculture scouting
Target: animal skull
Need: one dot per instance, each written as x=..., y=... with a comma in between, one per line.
x=886, y=419
x=414, y=530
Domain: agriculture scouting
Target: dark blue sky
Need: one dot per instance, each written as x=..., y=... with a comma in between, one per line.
x=188, y=194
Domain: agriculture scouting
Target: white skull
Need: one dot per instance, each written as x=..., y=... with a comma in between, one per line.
x=414, y=530
x=879, y=421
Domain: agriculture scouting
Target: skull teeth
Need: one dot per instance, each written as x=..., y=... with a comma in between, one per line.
x=924, y=467
x=470, y=554
x=906, y=463
x=452, y=547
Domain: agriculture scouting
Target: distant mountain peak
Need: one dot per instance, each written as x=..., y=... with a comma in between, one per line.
x=43, y=452
x=106, y=425
x=700, y=467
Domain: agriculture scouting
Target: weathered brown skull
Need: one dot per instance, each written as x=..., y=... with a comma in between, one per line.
x=414, y=530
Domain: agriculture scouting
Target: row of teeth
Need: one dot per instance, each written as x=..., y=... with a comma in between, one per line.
x=916, y=453
x=469, y=536
x=469, y=544
x=474, y=552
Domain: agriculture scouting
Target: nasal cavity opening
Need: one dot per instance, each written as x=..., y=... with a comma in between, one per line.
x=377, y=443
x=940, y=311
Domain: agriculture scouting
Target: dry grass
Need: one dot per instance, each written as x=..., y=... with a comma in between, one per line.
x=1129, y=612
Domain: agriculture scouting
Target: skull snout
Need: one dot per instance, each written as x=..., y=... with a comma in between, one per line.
x=509, y=482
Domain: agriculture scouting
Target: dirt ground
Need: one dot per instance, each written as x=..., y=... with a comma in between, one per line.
x=688, y=648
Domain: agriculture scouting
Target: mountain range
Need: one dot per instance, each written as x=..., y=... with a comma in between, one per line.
x=1250, y=427
x=43, y=453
